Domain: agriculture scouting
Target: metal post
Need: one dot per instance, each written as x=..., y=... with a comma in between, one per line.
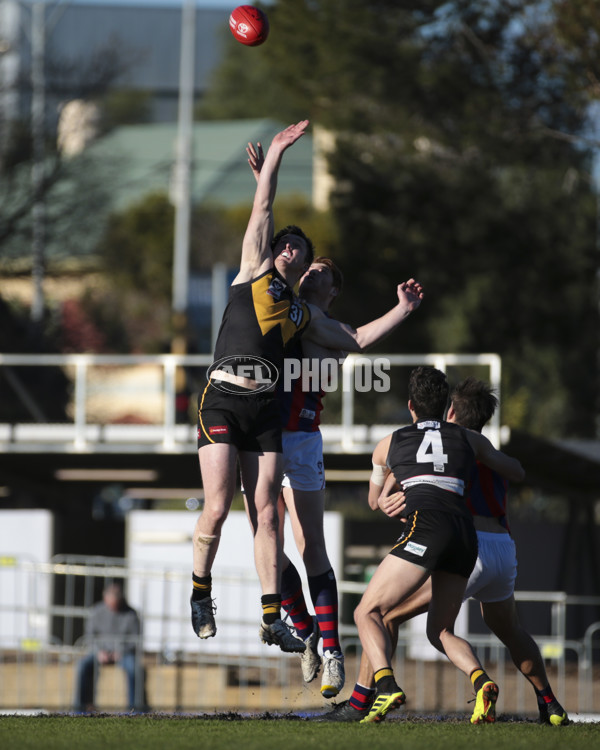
x=183, y=163
x=495, y=364
x=38, y=127
x=218, y=298
x=169, y=372
x=348, y=402
x=81, y=368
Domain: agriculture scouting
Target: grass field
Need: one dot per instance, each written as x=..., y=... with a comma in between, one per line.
x=233, y=732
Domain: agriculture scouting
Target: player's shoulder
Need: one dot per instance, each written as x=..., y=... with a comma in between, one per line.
x=402, y=434
x=315, y=312
x=249, y=276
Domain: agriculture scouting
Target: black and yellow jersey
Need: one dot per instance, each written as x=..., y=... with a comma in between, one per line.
x=261, y=318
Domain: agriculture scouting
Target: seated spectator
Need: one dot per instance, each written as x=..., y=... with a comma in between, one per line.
x=112, y=632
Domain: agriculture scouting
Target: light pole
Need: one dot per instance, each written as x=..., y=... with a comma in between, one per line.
x=38, y=128
x=183, y=160
x=182, y=187
x=39, y=23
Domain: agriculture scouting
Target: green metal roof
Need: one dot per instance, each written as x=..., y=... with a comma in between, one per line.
x=220, y=173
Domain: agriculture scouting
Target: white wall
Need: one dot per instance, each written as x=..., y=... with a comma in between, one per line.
x=25, y=537
x=164, y=539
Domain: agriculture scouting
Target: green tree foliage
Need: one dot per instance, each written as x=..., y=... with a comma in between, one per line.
x=461, y=159
x=329, y=60
x=217, y=231
x=136, y=256
x=76, y=192
x=578, y=30
x=137, y=247
x=133, y=309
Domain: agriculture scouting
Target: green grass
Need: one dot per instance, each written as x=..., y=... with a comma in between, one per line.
x=257, y=733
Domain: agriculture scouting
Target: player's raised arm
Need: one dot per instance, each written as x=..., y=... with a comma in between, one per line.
x=508, y=467
x=331, y=333
x=257, y=256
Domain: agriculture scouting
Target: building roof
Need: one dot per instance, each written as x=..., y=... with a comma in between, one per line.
x=137, y=44
x=220, y=173
x=146, y=35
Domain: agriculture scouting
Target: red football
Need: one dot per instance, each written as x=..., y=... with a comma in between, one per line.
x=249, y=25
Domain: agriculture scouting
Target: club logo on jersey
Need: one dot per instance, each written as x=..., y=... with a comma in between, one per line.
x=242, y=375
x=429, y=425
x=276, y=289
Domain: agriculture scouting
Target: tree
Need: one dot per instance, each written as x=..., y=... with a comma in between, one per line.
x=460, y=159
x=329, y=60
x=133, y=309
x=76, y=192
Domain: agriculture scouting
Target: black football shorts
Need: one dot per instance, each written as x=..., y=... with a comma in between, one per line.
x=437, y=540
x=250, y=421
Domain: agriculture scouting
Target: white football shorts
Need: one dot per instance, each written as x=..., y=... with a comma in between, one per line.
x=493, y=577
x=303, y=460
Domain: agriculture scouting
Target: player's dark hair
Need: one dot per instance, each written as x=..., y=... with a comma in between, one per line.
x=293, y=229
x=336, y=274
x=428, y=391
x=474, y=403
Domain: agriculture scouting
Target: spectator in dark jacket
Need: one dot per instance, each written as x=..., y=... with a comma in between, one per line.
x=113, y=633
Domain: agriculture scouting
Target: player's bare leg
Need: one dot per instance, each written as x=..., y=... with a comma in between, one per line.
x=503, y=620
x=393, y=580
x=306, y=512
x=218, y=468
x=415, y=604
x=447, y=590
x=261, y=477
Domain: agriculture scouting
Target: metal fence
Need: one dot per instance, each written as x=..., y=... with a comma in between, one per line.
x=43, y=607
x=105, y=388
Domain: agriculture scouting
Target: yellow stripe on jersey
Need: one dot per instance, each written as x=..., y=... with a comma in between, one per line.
x=291, y=317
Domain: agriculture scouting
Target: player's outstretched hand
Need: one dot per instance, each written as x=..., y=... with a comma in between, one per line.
x=290, y=135
x=256, y=158
x=410, y=294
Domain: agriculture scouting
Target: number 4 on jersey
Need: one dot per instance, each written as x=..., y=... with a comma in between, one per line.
x=431, y=450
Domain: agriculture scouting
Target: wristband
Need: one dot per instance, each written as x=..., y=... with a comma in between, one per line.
x=379, y=474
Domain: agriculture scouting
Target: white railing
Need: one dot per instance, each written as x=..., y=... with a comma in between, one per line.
x=88, y=432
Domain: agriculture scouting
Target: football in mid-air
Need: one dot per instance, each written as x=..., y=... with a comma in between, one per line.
x=249, y=25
